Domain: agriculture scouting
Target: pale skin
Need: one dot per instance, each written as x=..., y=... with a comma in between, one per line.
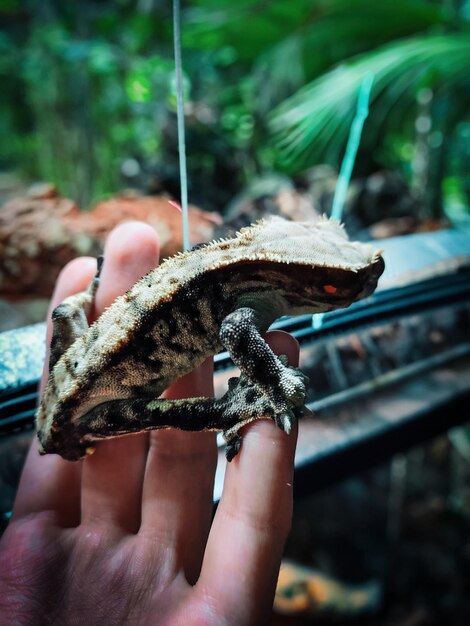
x=128, y=535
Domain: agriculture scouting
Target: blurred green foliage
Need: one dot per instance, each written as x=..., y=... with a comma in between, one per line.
x=269, y=85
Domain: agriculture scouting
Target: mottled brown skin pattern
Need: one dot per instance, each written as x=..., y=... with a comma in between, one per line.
x=106, y=380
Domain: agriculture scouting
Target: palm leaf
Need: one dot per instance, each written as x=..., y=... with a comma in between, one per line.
x=315, y=121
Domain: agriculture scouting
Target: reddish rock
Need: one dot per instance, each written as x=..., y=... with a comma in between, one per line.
x=155, y=211
x=36, y=241
x=41, y=232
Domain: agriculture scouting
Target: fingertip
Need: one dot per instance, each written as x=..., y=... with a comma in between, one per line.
x=132, y=228
x=132, y=239
x=131, y=251
x=73, y=278
x=281, y=342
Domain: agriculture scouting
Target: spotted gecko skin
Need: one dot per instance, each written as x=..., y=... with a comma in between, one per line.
x=106, y=379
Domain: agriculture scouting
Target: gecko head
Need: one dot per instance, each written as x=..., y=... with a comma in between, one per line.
x=322, y=242
x=325, y=270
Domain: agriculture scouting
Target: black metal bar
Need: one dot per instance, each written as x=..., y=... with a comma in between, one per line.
x=325, y=470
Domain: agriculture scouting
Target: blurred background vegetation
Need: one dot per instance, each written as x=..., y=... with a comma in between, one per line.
x=89, y=101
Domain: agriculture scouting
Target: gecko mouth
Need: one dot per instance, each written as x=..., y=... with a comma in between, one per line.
x=340, y=294
x=371, y=282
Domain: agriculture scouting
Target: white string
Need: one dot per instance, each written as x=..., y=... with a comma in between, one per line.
x=180, y=120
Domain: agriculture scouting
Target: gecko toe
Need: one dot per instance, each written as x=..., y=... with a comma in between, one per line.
x=233, y=447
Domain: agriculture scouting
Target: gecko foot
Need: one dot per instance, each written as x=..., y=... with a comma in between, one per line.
x=245, y=401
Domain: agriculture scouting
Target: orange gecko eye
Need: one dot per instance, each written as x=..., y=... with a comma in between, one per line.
x=329, y=289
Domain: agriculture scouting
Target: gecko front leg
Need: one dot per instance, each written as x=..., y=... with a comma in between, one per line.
x=70, y=318
x=284, y=386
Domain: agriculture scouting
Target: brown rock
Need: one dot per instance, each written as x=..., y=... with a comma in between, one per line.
x=155, y=211
x=36, y=241
x=41, y=232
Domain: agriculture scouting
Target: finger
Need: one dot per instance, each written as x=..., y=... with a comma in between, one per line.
x=253, y=518
x=49, y=483
x=177, y=501
x=112, y=476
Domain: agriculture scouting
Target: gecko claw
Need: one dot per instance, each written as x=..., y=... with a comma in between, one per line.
x=303, y=411
x=285, y=421
x=233, y=447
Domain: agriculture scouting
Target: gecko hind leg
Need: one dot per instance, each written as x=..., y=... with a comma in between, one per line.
x=243, y=403
x=70, y=317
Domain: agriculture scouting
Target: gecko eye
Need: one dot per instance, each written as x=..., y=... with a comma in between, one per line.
x=75, y=364
x=329, y=289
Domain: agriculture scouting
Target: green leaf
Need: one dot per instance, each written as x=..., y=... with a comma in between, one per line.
x=307, y=125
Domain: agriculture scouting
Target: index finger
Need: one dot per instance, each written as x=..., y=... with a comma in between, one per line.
x=254, y=516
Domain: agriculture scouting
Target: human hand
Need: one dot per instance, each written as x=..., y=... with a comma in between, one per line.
x=127, y=536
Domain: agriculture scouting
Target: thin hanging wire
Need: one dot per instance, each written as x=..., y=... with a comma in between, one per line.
x=180, y=120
